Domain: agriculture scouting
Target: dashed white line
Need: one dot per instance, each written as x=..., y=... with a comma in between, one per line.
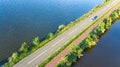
x=75, y=29
x=58, y=42
x=44, y=52
x=36, y=57
x=72, y=31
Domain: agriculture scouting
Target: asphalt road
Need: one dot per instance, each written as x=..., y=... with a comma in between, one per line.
x=34, y=59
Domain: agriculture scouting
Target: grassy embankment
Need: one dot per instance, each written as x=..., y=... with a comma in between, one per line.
x=61, y=49
x=36, y=43
x=89, y=41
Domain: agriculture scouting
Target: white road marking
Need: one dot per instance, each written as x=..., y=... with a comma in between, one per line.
x=99, y=13
x=76, y=29
x=58, y=42
x=72, y=32
x=36, y=57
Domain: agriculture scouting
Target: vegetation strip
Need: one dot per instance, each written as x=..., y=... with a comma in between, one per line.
x=68, y=43
x=67, y=49
x=89, y=41
x=28, y=48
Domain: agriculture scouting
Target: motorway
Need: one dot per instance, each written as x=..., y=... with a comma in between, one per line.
x=34, y=59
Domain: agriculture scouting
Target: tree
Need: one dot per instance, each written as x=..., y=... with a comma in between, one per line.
x=102, y=27
x=24, y=47
x=50, y=36
x=36, y=41
x=106, y=1
x=116, y=14
x=108, y=22
x=61, y=27
x=79, y=53
x=89, y=42
x=60, y=64
x=72, y=57
x=63, y=62
x=13, y=58
x=118, y=11
x=73, y=48
x=15, y=55
x=94, y=36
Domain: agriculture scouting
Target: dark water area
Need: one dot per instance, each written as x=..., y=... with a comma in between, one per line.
x=22, y=20
x=106, y=53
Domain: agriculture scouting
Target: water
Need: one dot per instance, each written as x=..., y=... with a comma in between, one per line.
x=106, y=53
x=22, y=20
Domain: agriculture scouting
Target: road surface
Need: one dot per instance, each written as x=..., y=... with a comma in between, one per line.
x=34, y=59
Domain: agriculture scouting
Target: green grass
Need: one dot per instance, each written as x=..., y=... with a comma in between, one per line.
x=38, y=44
x=89, y=41
x=67, y=44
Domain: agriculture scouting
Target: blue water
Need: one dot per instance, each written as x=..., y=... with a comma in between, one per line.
x=107, y=51
x=22, y=20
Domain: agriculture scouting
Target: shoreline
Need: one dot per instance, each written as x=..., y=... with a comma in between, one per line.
x=98, y=32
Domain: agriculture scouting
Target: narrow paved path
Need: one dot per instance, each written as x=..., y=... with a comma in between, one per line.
x=41, y=54
x=80, y=38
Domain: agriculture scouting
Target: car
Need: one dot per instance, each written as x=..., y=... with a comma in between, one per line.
x=93, y=18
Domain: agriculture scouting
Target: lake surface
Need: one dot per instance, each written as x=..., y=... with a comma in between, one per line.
x=22, y=20
x=106, y=53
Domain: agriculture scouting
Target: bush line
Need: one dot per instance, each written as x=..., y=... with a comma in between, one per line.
x=89, y=41
x=67, y=44
x=28, y=48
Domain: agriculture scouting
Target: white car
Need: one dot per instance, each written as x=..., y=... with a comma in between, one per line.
x=93, y=18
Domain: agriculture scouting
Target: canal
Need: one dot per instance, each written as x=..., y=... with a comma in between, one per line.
x=22, y=20
x=107, y=51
